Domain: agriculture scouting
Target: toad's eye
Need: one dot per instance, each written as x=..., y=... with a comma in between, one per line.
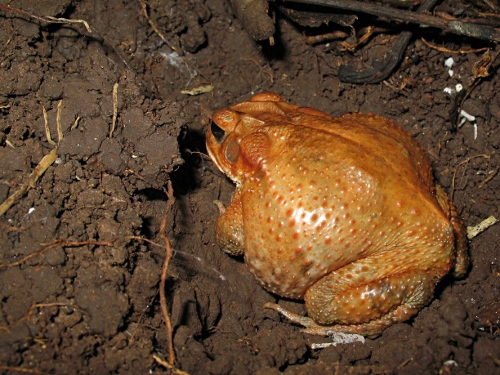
x=217, y=132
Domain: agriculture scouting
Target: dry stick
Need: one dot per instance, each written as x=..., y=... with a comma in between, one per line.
x=153, y=25
x=480, y=70
x=192, y=71
x=168, y=365
x=489, y=178
x=75, y=124
x=380, y=71
x=30, y=311
x=54, y=244
x=475, y=230
x=11, y=369
x=454, y=26
x=47, y=130
x=33, y=178
x=71, y=243
x=60, y=135
x=198, y=90
x=168, y=256
x=46, y=161
x=115, y=109
x=459, y=52
x=317, y=39
x=466, y=161
x=47, y=19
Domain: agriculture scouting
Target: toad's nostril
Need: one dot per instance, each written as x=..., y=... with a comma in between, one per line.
x=217, y=132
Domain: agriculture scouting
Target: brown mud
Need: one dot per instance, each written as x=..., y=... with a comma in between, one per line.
x=92, y=305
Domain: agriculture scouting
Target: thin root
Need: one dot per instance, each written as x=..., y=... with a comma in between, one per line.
x=44, y=164
x=47, y=19
x=30, y=311
x=489, y=178
x=40, y=169
x=164, y=272
x=168, y=365
x=115, y=109
x=446, y=50
x=11, y=369
x=58, y=243
x=153, y=25
x=466, y=161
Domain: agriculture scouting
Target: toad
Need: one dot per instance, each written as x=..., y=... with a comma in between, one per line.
x=340, y=212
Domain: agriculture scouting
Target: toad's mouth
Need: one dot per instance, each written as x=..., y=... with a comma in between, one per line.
x=223, y=170
x=214, y=160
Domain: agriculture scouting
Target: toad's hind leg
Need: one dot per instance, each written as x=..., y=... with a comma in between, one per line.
x=335, y=303
x=461, y=263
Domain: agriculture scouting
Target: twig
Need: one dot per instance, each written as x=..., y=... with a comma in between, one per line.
x=404, y=363
x=75, y=124
x=11, y=369
x=30, y=311
x=452, y=26
x=115, y=109
x=58, y=243
x=382, y=70
x=466, y=161
x=193, y=72
x=446, y=50
x=66, y=20
x=481, y=227
x=47, y=129
x=489, y=178
x=60, y=135
x=168, y=365
x=481, y=70
x=40, y=169
x=47, y=19
x=317, y=39
x=153, y=25
x=198, y=90
x=164, y=272
x=45, y=163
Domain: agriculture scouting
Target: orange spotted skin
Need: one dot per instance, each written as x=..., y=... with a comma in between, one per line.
x=342, y=212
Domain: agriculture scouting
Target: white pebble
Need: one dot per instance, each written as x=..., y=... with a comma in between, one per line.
x=467, y=116
x=339, y=338
x=449, y=62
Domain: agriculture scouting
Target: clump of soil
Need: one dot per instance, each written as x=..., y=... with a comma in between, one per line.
x=79, y=285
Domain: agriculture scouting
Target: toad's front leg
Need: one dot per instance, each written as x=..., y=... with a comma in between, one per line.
x=229, y=227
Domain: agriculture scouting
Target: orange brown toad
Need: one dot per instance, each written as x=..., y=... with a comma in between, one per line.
x=341, y=212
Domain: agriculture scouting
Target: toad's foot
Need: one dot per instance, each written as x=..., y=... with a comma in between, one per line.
x=370, y=329
x=310, y=326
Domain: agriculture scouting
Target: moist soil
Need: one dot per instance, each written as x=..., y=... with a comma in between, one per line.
x=82, y=250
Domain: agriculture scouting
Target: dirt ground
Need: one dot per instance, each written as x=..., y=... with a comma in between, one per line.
x=79, y=285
